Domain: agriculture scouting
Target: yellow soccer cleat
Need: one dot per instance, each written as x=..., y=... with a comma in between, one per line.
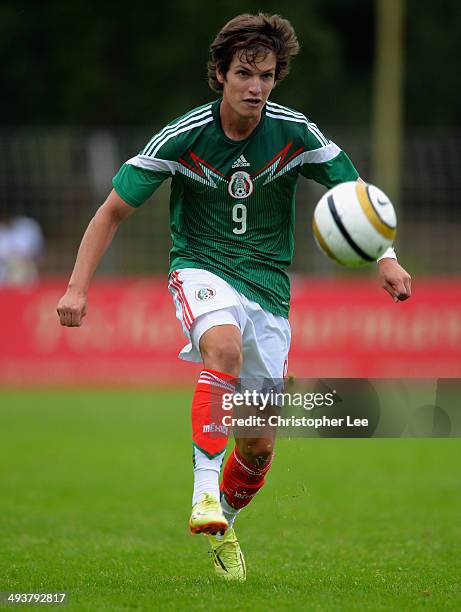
x=207, y=516
x=228, y=559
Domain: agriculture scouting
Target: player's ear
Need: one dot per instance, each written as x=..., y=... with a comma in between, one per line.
x=220, y=76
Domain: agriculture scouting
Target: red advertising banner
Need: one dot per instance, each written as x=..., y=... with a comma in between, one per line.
x=131, y=336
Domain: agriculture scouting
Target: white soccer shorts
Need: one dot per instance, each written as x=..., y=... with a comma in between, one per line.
x=203, y=300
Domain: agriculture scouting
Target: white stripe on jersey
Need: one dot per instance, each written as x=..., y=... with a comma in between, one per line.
x=310, y=126
x=153, y=163
x=278, y=107
x=296, y=161
x=198, y=114
x=320, y=137
x=318, y=156
x=281, y=115
x=160, y=144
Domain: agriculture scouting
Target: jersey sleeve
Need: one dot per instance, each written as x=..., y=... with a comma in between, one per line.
x=141, y=175
x=323, y=161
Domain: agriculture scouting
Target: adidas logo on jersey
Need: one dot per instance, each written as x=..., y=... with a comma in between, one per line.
x=240, y=162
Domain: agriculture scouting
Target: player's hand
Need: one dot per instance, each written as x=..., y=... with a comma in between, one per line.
x=72, y=308
x=394, y=279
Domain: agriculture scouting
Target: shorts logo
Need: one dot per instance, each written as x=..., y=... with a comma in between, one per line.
x=205, y=293
x=240, y=185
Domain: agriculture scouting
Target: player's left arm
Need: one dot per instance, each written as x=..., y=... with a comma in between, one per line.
x=394, y=278
x=324, y=162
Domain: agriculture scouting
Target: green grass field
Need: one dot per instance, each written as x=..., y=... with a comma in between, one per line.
x=95, y=497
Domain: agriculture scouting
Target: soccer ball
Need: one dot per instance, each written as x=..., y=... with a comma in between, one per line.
x=354, y=223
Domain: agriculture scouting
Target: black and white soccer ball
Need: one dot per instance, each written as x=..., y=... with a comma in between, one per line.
x=354, y=223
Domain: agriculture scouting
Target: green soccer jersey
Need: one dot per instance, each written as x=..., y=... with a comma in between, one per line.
x=232, y=203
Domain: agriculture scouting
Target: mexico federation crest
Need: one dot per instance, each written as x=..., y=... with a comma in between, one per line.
x=205, y=293
x=240, y=185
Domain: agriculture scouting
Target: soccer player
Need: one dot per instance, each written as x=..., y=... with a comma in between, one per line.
x=233, y=164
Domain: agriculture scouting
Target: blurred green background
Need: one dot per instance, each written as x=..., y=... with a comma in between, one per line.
x=79, y=63
x=84, y=86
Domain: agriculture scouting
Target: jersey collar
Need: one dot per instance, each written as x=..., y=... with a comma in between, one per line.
x=215, y=111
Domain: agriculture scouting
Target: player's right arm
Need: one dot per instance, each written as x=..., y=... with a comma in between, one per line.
x=134, y=183
x=97, y=238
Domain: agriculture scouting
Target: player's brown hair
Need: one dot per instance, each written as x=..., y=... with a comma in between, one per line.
x=253, y=37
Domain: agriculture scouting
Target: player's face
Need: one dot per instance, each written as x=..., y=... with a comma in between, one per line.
x=246, y=87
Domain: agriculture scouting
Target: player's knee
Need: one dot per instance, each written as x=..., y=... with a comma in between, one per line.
x=225, y=356
x=257, y=451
